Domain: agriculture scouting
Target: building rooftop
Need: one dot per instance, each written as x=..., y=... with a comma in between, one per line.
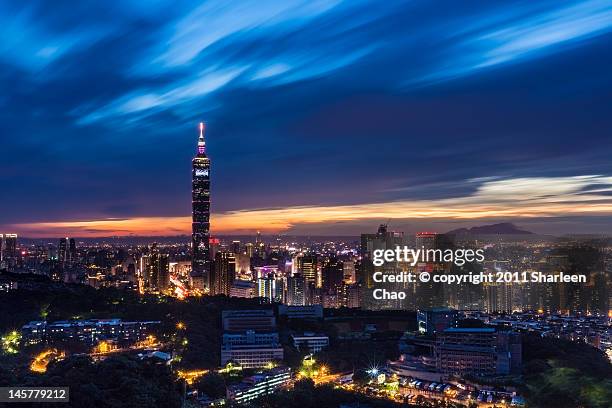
x=309, y=334
x=470, y=330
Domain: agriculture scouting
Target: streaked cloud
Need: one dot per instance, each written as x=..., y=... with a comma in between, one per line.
x=518, y=34
x=150, y=101
x=29, y=43
x=216, y=20
x=523, y=39
x=219, y=39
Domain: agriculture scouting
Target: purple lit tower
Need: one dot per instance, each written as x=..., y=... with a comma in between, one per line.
x=200, y=237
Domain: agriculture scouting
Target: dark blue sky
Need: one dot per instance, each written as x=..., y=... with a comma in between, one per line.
x=484, y=111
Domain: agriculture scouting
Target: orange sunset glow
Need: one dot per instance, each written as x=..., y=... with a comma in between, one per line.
x=516, y=199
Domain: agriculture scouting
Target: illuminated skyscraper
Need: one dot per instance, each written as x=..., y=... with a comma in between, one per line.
x=223, y=273
x=270, y=288
x=152, y=272
x=307, y=266
x=200, y=237
x=8, y=251
x=10, y=245
x=157, y=270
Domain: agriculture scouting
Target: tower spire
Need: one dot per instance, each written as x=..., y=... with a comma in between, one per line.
x=201, y=142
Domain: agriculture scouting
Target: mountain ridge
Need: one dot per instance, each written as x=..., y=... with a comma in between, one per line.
x=503, y=228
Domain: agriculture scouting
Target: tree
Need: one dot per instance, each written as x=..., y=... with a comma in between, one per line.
x=211, y=384
x=116, y=382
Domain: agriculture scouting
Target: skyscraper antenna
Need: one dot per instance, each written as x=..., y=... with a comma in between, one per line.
x=201, y=142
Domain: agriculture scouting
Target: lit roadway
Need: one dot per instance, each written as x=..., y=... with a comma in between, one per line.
x=128, y=349
x=324, y=379
x=430, y=395
x=404, y=391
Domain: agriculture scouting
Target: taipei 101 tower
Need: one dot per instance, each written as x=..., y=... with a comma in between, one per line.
x=200, y=227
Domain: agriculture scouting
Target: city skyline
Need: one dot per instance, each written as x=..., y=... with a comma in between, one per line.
x=338, y=121
x=313, y=203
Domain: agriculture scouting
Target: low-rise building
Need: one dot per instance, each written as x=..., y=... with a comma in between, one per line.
x=250, y=338
x=301, y=312
x=432, y=321
x=243, y=289
x=251, y=349
x=310, y=342
x=477, y=351
x=259, y=385
x=86, y=331
x=242, y=320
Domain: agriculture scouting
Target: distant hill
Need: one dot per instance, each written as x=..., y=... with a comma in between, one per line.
x=504, y=228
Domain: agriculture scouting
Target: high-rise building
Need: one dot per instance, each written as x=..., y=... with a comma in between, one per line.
x=150, y=276
x=223, y=274
x=215, y=245
x=306, y=265
x=426, y=240
x=62, y=250
x=66, y=257
x=333, y=275
x=270, y=288
x=72, y=251
x=200, y=237
x=143, y=267
x=10, y=245
x=155, y=269
x=353, y=295
x=243, y=264
x=382, y=240
x=163, y=273
x=129, y=269
x=8, y=251
x=296, y=290
x=431, y=294
x=498, y=297
x=349, y=271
